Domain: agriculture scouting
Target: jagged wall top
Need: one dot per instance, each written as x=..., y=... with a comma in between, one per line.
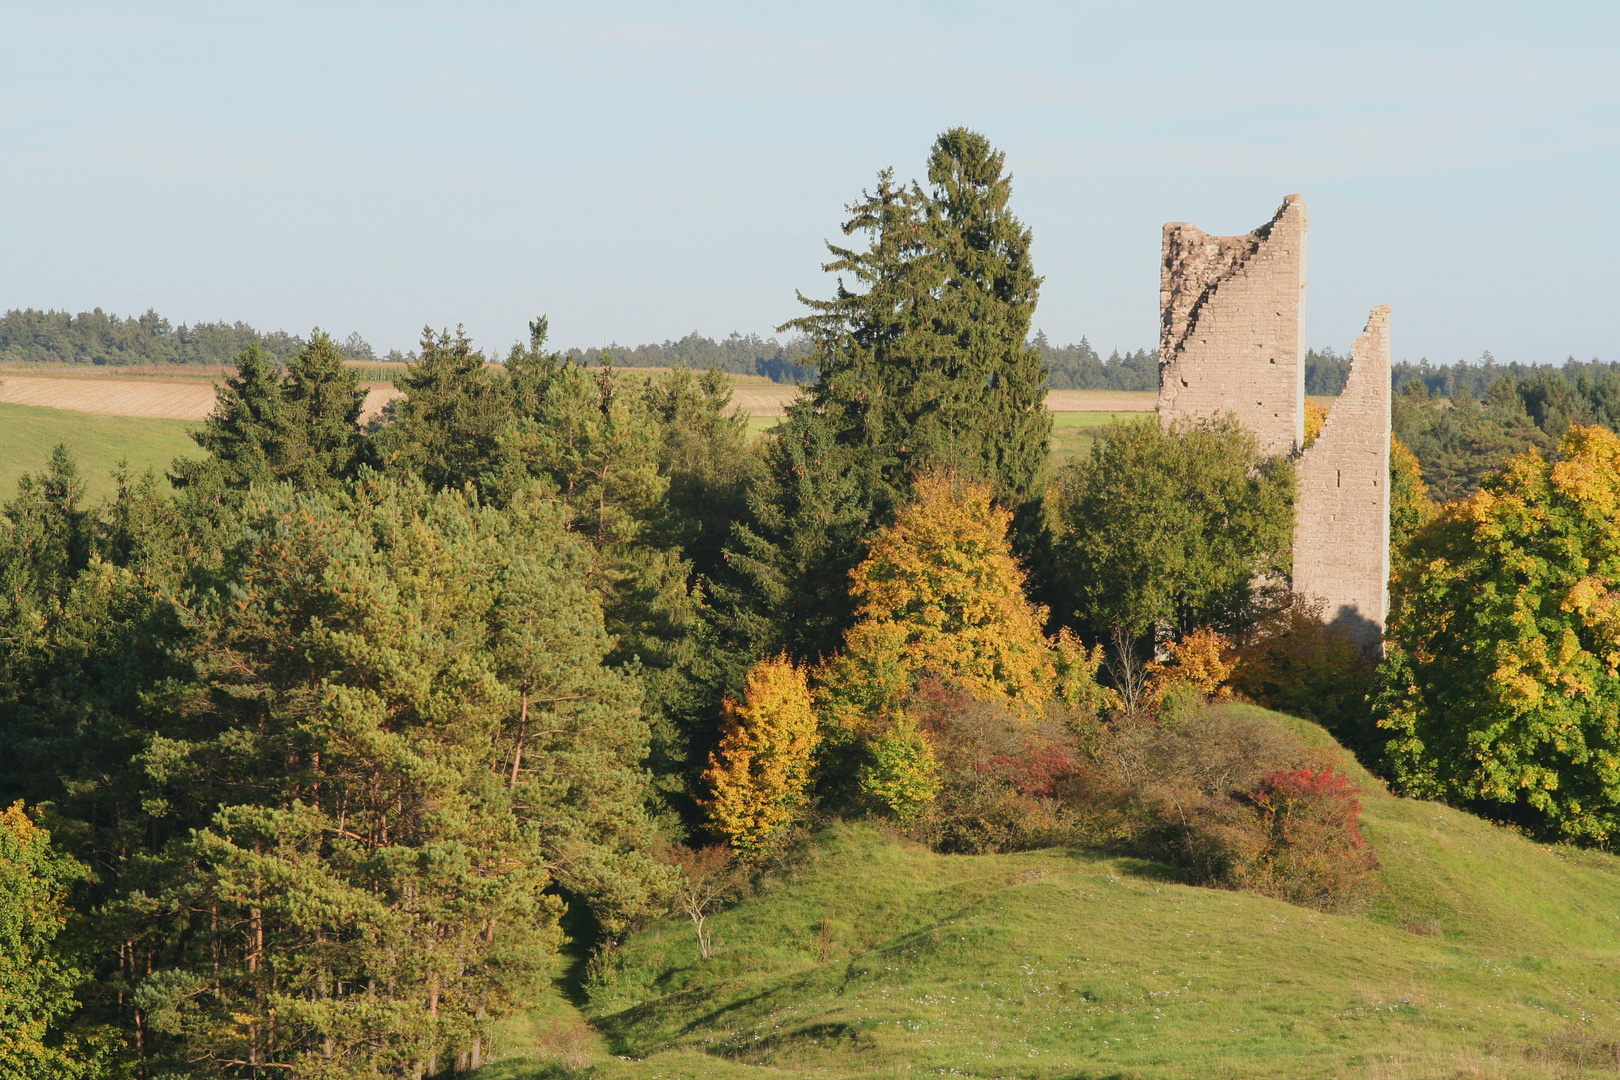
x=1232, y=326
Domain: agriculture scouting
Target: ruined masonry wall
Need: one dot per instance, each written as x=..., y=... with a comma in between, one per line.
x=1232, y=328
x=1341, y=523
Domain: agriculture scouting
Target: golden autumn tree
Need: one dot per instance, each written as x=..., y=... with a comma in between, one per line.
x=941, y=592
x=760, y=772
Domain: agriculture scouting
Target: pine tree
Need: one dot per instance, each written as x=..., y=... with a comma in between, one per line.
x=300, y=425
x=330, y=786
x=984, y=407
x=789, y=560
x=324, y=400
x=922, y=364
x=448, y=425
x=246, y=435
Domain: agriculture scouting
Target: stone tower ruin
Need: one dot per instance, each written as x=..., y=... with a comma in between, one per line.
x=1232, y=340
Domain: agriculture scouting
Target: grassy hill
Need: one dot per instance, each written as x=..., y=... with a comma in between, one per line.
x=1486, y=955
x=28, y=434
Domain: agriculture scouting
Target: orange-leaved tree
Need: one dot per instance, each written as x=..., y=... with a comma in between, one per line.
x=1201, y=662
x=762, y=768
x=941, y=592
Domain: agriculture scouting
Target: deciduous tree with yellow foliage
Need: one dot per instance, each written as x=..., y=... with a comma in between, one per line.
x=941, y=592
x=1502, y=684
x=760, y=773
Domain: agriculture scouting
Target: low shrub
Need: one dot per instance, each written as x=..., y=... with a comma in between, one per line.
x=1312, y=851
x=1228, y=800
x=997, y=775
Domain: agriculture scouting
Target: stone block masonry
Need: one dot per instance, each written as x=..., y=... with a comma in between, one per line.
x=1232, y=340
x=1341, y=519
x=1231, y=336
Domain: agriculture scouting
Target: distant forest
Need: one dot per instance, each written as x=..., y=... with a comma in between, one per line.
x=741, y=354
x=28, y=335
x=94, y=337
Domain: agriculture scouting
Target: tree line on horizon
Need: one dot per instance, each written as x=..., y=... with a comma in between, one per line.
x=28, y=335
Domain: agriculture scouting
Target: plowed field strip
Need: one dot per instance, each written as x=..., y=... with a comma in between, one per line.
x=147, y=398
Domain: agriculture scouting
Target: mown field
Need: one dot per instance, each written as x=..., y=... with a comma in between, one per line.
x=1485, y=956
x=28, y=434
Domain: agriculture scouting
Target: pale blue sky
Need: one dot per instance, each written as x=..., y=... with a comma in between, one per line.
x=641, y=170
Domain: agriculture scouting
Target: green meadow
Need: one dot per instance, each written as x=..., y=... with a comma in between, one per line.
x=1485, y=955
x=28, y=434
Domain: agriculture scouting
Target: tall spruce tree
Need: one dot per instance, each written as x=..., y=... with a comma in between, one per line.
x=448, y=425
x=300, y=425
x=929, y=365
x=923, y=364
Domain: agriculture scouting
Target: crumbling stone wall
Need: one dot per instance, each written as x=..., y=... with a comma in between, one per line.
x=1232, y=326
x=1341, y=519
x=1232, y=340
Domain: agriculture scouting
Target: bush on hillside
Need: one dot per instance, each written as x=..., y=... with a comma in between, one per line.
x=1227, y=800
x=997, y=775
x=1311, y=849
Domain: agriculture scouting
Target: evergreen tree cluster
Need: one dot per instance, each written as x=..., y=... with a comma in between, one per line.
x=1078, y=367
x=742, y=354
x=1459, y=439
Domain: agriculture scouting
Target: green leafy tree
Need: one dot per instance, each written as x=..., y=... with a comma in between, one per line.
x=1171, y=528
x=1500, y=688
x=37, y=982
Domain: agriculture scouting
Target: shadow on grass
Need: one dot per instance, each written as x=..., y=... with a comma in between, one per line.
x=582, y=934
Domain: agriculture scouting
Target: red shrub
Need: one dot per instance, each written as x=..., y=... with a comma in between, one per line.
x=1312, y=851
x=1288, y=798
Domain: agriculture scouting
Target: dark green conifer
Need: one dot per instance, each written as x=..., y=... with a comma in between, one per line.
x=929, y=365
x=268, y=425
x=448, y=425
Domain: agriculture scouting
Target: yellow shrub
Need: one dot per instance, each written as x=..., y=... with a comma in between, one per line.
x=1201, y=661
x=1315, y=418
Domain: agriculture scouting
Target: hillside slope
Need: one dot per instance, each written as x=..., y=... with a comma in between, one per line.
x=1487, y=955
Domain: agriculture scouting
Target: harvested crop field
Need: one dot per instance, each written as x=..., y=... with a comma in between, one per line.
x=170, y=396
x=149, y=398
x=771, y=399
